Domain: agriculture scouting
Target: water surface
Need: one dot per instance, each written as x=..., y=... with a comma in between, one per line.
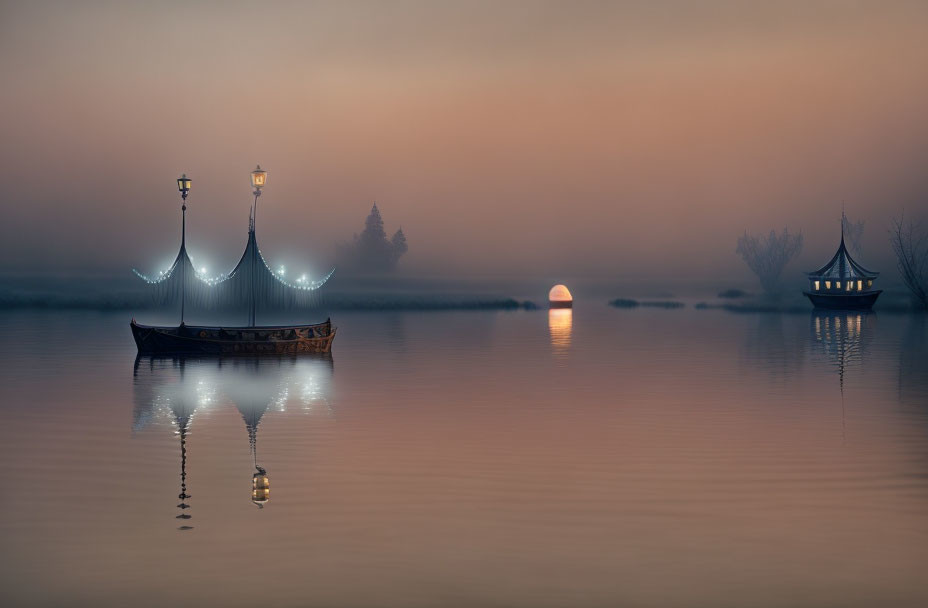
x=601, y=457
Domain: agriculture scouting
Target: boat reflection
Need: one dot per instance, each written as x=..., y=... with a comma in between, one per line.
x=560, y=323
x=176, y=390
x=842, y=336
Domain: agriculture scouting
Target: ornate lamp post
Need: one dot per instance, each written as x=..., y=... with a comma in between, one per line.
x=258, y=180
x=184, y=184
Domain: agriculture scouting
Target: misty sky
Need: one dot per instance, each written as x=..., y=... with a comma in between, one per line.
x=613, y=139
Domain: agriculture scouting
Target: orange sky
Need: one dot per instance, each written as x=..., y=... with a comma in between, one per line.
x=616, y=139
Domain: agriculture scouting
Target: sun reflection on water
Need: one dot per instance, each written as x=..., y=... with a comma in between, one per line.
x=560, y=322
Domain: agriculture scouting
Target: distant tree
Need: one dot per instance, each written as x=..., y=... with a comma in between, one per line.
x=910, y=244
x=371, y=251
x=399, y=244
x=852, y=233
x=374, y=251
x=767, y=257
x=373, y=227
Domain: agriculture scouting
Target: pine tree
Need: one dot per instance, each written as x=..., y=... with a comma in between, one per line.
x=373, y=227
x=371, y=251
x=399, y=245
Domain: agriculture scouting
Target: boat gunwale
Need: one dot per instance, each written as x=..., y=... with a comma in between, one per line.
x=199, y=340
x=852, y=294
x=135, y=323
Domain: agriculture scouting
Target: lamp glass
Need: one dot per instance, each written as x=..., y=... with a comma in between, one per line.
x=258, y=178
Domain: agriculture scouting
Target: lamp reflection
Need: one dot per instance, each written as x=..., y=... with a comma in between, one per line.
x=178, y=403
x=176, y=390
x=254, y=393
x=560, y=322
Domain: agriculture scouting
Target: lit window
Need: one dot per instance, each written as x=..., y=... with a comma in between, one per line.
x=817, y=286
x=837, y=284
x=860, y=285
x=849, y=285
x=869, y=283
x=827, y=284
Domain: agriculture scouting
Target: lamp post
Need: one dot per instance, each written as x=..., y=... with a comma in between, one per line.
x=258, y=180
x=184, y=184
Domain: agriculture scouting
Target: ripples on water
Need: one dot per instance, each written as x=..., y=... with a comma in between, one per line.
x=640, y=457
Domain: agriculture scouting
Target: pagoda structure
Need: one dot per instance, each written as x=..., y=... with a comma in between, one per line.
x=842, y=283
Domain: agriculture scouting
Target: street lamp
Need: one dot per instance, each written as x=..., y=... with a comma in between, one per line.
x=184, y=184
x=258, y=179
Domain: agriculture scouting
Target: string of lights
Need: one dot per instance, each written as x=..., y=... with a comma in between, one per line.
x=246, y=271
x=302, y=283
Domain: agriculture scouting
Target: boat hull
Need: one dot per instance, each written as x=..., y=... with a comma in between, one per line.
x=840, y=301
x=201, y=340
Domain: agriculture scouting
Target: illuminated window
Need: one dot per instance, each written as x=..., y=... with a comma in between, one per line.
x=849, y=285
x=860, y=285
x=817, y=286
x=837, y=284
x=827, y=284
x=869, y=283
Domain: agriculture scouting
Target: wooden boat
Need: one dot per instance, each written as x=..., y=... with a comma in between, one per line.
x=252, y=268
x=840, y=301
x=202, y=340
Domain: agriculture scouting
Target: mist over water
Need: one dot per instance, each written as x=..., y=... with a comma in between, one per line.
x=613, y=139
x=678, y=438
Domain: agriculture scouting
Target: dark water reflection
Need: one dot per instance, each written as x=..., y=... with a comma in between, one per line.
x=913, y=362
x=775, y=344
x=639, y=457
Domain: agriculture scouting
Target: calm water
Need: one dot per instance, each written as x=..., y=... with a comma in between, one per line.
x=604, y=458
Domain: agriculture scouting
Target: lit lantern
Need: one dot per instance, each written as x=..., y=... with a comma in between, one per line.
x=183, y=185
x=260, y=488
x=258, y=178
x=559, y=297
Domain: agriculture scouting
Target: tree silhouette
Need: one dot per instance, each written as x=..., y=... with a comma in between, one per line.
x=371, y=251
x=373, y=227
x=767, y=257
x=910, y=244
x=852, y=233
x=399, y=244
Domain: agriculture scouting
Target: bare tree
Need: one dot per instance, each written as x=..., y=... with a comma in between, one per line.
x=852, y=233
x=910, y=244
x=768, y=256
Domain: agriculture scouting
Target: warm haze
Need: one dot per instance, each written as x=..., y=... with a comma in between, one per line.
x=592, y=138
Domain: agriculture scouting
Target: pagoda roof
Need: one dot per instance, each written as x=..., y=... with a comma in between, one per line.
x=843, y=266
